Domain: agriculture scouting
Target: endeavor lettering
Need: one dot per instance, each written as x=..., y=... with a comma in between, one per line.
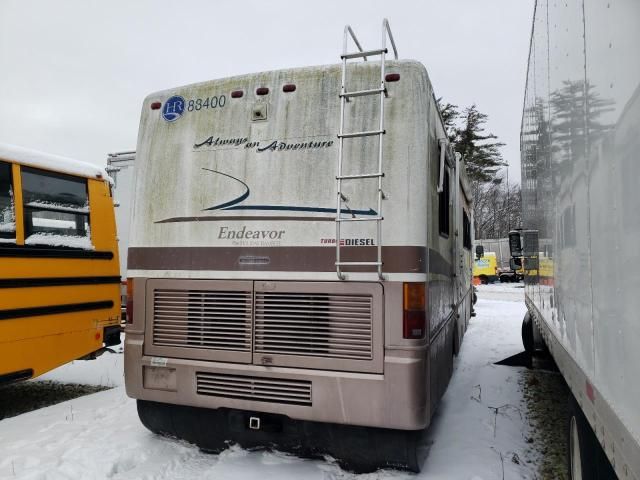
x=226, y=234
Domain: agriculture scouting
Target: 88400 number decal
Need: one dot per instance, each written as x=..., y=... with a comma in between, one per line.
x=209, y=102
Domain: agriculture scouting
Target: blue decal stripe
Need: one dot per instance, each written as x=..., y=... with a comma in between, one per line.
x=233, y=204
x=292, y=208
x=235, y=200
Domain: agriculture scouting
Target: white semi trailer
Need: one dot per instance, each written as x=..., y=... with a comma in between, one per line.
x=300, y=258
x=580, y=145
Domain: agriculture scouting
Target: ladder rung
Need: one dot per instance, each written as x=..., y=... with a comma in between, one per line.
x=360, y=175
x=360, y=93
x=359, y=219
x=361, y=134
x=359, y=264
x=366, y=53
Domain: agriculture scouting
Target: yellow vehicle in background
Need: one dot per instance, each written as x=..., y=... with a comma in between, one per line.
x=59, y=281
x=485, y=268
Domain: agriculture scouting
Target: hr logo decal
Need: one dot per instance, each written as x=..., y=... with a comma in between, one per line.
x=173, y=108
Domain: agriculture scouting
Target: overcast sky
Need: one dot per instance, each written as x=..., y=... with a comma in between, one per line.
x=73, y=73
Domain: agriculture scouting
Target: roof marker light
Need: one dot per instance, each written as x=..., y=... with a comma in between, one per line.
x=392, y=77
x=262, y=90
x=237, y=94
x=156, y=105
x=289, y=87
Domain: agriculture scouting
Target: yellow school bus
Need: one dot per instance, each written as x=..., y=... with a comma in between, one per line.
x=59, y=270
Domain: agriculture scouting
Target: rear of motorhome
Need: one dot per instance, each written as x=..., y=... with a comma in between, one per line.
x=300, y=257
x=580, y=140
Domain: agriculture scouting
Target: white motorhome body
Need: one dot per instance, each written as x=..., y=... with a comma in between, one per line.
x=580, y=168
x=237, y=300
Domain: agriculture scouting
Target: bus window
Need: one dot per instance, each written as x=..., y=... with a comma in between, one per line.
x=56, y=209
x=7, y=211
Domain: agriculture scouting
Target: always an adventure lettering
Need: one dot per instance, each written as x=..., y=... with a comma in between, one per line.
x=262, y=145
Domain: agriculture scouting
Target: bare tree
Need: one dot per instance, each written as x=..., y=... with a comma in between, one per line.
x=496, y=208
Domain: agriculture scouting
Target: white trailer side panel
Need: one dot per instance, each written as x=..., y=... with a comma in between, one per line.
x=580, y=169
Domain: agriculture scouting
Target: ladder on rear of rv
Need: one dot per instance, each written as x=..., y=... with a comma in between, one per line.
x=345, y=96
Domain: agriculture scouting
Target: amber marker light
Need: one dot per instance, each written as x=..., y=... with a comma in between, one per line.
x=414, y=311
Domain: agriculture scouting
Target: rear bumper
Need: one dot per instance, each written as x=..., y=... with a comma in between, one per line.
x=396, y=399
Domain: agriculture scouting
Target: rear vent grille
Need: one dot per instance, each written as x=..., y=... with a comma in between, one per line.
x=310, y=324
x=204, y=319
x=260, y=389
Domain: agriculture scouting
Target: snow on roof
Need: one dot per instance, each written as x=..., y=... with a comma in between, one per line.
x=34, y=158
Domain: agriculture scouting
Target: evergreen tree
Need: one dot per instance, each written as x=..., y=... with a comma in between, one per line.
x=450, y=114
x=481, y=154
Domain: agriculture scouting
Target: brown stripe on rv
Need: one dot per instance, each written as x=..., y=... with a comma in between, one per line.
x=397, y=259
x=400, y=259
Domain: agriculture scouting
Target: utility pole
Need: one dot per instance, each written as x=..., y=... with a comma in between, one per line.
x=508, y=208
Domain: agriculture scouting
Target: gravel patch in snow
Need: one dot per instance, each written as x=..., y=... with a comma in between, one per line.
x=546, y=393
x=18, y=398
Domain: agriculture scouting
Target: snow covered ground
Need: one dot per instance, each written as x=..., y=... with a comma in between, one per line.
x=479, y=433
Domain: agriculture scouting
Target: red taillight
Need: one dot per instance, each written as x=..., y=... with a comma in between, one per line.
x=156, y=105
x=392, y=77
x=289, y=87
x=414, y=311
x=262, y=91
x=129, y=301
x=237, y=94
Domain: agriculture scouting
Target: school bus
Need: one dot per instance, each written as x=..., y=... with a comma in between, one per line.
x=59, y=275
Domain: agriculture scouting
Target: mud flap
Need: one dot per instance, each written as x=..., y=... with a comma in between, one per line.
x=358, y=449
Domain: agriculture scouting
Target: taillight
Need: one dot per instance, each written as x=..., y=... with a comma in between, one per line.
x=414, y=311
x=129, y=301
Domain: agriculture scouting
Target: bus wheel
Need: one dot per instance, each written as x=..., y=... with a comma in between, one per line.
x=587, y=460
x=527, y=334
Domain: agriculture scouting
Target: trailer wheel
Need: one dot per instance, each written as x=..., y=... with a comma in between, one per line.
x=527, y=334
x=586, y=459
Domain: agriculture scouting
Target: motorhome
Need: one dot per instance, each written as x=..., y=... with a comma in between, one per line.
x=580, y=140
x=300, y=260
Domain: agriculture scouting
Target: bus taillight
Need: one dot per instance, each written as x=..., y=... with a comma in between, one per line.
x=129, y=301
x=414, y=314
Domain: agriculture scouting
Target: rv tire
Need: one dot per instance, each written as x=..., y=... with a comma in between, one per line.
x=527, y=334
x=586, y=459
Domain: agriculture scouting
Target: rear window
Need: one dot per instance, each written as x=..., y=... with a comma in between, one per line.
x=56, y=209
